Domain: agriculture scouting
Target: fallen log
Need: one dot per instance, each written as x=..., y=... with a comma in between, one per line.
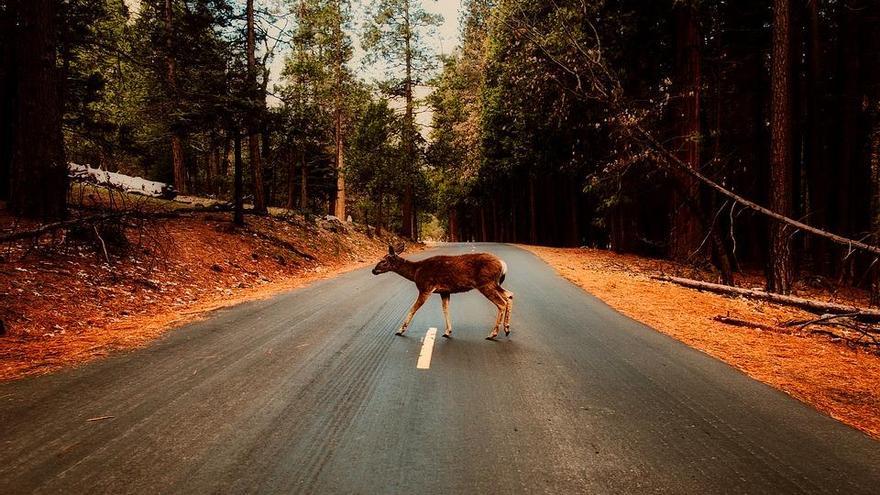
x=811, y=305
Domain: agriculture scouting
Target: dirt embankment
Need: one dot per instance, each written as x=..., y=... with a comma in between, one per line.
x=835, y=378
x=62, y=302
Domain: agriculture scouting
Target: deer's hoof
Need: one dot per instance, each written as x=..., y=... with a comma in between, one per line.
x=399, y=333
x=447, y=335
x=491, y=337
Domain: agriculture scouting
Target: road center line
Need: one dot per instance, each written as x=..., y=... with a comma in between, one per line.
x=427, y=349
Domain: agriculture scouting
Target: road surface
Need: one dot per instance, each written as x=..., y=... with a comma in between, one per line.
x=311, y=392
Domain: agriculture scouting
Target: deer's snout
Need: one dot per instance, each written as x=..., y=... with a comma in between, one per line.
x=376, y=271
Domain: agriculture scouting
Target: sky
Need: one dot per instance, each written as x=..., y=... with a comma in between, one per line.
x=445, y=41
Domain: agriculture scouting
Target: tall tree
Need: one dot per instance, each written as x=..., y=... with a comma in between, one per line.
x=177, y=136
x=259, y=101
x=779, y=276
x=685, y=232
x=395, y=33
x=38, y=185
x=7, y=92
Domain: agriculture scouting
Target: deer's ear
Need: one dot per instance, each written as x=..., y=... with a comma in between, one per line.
x=391, y=250
x=401, y=248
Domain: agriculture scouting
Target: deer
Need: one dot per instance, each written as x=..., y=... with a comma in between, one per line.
x=447, y=275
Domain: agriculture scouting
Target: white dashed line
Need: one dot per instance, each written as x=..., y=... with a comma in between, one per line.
x=427, y=348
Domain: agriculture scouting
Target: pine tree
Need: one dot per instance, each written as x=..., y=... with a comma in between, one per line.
x=395, y=34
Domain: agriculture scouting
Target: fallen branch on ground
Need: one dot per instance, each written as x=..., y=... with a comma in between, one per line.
x=51, y=227
x=92, y=219
x=826, y=318
x=742, y=323
x=813, y=306
x=281, y=242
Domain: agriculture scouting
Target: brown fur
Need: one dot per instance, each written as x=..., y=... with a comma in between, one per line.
x=448, y=275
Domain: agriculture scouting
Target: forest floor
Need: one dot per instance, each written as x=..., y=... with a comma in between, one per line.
x=831, y=375
x=62, y=303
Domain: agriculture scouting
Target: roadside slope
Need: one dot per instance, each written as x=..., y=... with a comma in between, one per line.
x=63, y=303
x=836, y=379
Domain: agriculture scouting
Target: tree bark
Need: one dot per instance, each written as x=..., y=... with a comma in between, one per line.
x=7, y=95
x=238, y=193
x=816, y=163
x=453, y=225
x=177, y=164
x=779, y=273
x=685, y=233
x=875, y=200
x=254, y=135
x=573, y=232
x=533, y=213
x=408, y=229
x=339, y=208
x=304, y=183
x=38, y=179
x=291, y=182
x=484, y=233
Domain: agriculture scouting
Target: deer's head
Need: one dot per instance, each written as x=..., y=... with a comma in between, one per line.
x=391, y=261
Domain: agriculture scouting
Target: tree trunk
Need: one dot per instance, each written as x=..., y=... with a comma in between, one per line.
x=7, y=95
x=871, y=49
x=213, y=165
x=495, y=233
x=237, y=191
x=291, y=182
x=177, y=165
x=875, y=200
x=227, y=149
x=304, y=184
x=453, y=225
x=407, y=229
x=685, y=232
x=816, y=163
x=533, y=213
x=38, y=179
x=573, y=232
x=380, y=214
x=254, y=135
x=779, y=276
x=266, y=156
x=339, y=210
x=484, y=232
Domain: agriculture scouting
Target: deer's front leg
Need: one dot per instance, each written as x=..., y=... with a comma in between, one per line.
x=423, y=296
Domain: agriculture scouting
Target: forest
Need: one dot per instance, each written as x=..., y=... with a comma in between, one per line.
x=725, y=135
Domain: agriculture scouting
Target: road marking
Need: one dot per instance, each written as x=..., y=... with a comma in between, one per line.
x=427, y=349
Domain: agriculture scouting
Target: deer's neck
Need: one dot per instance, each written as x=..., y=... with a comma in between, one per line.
x=407, y=269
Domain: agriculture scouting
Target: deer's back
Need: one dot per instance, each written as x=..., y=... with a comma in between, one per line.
x=458, y=273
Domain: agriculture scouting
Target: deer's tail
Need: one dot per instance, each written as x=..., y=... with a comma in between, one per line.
x=503, y=272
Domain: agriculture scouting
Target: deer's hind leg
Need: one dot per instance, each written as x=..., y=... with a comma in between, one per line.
x=423, y=296
x=493, y=294
x=508, y=296
x=445, y=298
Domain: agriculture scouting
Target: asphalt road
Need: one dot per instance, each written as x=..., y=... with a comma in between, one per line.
x=311, y=392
